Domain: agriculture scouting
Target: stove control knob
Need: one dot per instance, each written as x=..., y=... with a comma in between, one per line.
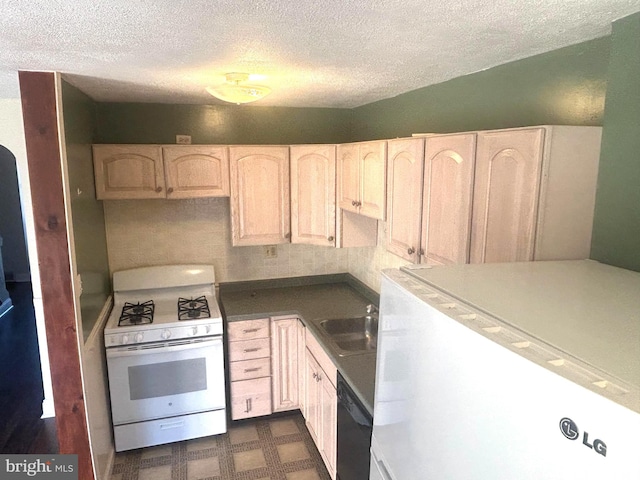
x=207, y=328
x=193, y=331
x=165, y=334
x=139, y=337
x=125, y=339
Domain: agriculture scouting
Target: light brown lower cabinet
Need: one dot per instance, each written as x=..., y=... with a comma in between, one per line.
x=250, y=368
x=276, y=364
x=322, y=411
x=321, y=402
x=284, y=362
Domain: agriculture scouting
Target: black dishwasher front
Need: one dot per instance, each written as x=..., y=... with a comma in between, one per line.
x=354, y=435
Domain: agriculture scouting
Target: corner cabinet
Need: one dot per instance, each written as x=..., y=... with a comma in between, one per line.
x=361, y=178
x=157, y=171
x=404, y=196
x=313, y=194
x=260, y=210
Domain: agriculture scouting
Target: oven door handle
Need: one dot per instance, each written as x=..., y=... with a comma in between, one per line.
x=162, y=348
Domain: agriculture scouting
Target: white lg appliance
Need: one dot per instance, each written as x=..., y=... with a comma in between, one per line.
x=165, y=356
x=527, y=371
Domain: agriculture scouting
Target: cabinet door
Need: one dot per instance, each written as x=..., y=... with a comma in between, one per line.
x=404, y=200
x=329, y=419
x=284, y=360
x=312, y=398
x=313, y=194
x=373, y=168
x=447, y=198
x=348, y=177
x=128, y=172
x=508, y=166
x=196, y=171
x=259, y=195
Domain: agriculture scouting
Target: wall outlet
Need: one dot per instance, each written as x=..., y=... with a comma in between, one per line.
x=271, y=251
x=183, y=139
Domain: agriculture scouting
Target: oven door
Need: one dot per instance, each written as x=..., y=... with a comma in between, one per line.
x=165, y=379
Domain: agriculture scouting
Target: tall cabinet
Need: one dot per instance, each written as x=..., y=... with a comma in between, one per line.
x=448, y=195
x=313, y=194
x=260, y=210
x=405, y=160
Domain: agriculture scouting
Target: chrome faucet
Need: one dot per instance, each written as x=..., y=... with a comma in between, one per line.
x=372, y=309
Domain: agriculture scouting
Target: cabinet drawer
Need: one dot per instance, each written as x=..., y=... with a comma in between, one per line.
x=250, y=398
x=247, y=369
x=248, y=349
x=248, y=329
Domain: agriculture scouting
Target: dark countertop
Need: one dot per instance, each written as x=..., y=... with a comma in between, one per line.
x=311, y=299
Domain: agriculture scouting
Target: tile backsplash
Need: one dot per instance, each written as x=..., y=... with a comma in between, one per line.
x=155, y=232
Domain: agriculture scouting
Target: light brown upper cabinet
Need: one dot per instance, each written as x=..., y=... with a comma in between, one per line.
x=156, y=171
x=361, y=178
x=534, y=193
x=260, y=210
x=196, y=171
x=128, y=171
x=313, y=194
x=405, y=160
x=447, y=199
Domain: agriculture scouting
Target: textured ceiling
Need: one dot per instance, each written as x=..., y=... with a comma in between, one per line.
x=331, y=53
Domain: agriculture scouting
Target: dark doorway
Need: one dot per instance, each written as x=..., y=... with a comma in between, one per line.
x=21, y=389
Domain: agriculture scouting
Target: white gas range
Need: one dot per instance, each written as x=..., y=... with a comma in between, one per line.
x=165, y=356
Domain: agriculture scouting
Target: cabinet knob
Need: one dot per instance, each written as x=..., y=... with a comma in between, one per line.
x=411, y=250
x=287, y=235
x=358, y=204
x=353, y=203
x=330, y=238
x=170, y=190
x=158, y=189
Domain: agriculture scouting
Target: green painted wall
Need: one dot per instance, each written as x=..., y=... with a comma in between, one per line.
x=562, y=87
x=90, y=239
x=616, y=229
x=220, y=124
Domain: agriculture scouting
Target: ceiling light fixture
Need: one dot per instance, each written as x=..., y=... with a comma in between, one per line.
x=236, y=91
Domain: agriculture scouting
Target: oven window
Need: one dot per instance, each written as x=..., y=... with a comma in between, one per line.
x=167, y=378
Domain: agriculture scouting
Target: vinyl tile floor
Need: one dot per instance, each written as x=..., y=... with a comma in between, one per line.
x=268, y=448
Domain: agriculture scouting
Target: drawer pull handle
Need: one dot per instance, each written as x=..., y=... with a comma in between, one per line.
x=250, y=330
x=247, y=370
x=249, y=350
x=248, y=406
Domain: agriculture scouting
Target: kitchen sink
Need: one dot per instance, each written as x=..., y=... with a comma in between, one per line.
x=351, y=336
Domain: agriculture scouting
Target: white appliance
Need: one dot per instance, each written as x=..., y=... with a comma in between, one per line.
x=527, y=371
x=164, y=355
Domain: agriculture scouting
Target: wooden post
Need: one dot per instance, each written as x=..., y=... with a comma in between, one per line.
x=39, y=112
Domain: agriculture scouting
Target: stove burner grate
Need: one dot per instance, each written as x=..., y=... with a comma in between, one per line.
x=192, y=308
x=136, y=313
